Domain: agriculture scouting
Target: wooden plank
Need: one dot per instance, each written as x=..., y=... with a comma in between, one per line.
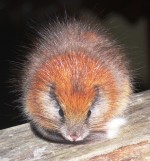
x=19, y=143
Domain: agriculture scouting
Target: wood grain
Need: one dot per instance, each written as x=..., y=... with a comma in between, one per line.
x=133, y=144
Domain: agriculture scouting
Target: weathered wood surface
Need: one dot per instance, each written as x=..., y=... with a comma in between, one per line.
x=19, y=143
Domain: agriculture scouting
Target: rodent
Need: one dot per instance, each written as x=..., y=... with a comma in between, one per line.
x=76, y=83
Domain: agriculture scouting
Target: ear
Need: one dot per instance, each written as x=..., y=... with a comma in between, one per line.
x=113, y=127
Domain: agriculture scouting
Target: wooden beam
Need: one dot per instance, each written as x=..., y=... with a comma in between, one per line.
x=19, y=143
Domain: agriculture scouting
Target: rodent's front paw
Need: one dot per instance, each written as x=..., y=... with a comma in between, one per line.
x=113, y=127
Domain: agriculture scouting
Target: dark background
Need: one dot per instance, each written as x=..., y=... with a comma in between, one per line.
x=15, y=16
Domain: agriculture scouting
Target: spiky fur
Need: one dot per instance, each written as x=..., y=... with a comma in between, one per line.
x=75, y=67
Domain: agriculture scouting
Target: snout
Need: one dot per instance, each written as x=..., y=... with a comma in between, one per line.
x=75, y=133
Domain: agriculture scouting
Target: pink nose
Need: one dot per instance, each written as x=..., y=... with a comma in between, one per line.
x=74, y=137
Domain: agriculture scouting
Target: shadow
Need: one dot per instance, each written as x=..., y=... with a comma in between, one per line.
x=52, y=136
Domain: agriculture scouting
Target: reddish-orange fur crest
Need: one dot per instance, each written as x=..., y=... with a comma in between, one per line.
x=76, y=77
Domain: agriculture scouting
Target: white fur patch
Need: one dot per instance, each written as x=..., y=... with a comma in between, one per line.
x=49, y=106
x=113, y=127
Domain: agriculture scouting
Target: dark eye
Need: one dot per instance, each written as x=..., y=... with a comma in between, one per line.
x=89, y=113
x=61, y=113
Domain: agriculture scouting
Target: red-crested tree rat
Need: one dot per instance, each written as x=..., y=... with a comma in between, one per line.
x=76, y=83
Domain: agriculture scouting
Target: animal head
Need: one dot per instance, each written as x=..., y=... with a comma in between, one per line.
x=72, y=94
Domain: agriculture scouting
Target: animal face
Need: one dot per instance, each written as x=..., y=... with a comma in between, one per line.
x=71, y=100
